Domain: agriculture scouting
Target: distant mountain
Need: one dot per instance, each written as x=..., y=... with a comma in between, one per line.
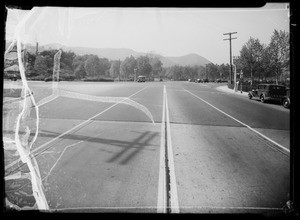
x=121, y=53
x=189, y=60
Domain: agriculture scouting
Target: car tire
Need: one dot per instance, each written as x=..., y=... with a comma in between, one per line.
x=286, y=103
x=250, y=96
x=262, y=99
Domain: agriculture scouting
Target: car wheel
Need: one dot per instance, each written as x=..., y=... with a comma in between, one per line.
x=250, y=96
x=286, y=103
x=262, y=99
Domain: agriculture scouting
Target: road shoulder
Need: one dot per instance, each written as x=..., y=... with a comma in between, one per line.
x=225, y=89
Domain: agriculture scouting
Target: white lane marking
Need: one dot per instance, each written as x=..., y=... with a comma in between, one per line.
x=231, y=209
x=88, y=120
x=150, y=207
x=68, y=131
x=173, y=184
x=257, y=132
x=162, y=191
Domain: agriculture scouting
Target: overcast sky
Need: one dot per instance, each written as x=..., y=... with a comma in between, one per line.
x=169, y=32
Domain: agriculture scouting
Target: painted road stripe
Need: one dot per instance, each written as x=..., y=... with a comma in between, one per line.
x=162, y=191
x=257, y=132
x=167, y=200
x=184, y=207
x=77, y=126
x=173, y=184
x=88, y=120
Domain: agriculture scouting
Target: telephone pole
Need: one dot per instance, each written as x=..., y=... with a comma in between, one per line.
x=230, y=38
x=119, y=69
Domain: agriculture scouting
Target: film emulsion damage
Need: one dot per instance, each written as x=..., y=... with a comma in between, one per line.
x=28, y=165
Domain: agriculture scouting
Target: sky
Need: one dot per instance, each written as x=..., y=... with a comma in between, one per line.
x=165, y=31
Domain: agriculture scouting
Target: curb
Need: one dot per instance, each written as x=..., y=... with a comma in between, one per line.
x=230, y=91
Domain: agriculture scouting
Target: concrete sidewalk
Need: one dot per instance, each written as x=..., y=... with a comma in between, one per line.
x=227, y=90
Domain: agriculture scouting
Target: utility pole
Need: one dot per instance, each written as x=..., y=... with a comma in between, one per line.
x=37, y=49
x=230, y=38
x=119, y=69
x=206, y=72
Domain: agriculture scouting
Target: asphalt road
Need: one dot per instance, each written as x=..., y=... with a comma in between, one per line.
x=207, y=152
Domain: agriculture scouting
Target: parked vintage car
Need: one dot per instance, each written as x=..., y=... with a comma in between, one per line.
x=286, y=100
x=13, y=77
x=266, y=92
x=141, y=79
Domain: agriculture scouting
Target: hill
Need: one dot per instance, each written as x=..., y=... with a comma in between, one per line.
x=121, y=53
x=189, y=60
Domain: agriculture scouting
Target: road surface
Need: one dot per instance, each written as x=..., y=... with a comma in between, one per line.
x=206, y=152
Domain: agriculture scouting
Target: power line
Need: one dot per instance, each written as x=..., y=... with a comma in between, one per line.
x=230, y=38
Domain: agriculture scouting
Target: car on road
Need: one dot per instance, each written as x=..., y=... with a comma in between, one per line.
x=198, y=80
x=13, y=77
x=205, y=80
x=141, y=79
x=266, y=92
x=286, y=100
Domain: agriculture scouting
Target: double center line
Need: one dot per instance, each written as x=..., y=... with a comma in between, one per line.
x=167, y=201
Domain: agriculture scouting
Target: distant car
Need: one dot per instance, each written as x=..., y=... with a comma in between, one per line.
x=286, y=100
x=190, y=80
x=266, y=92
x=205, y=80
x=141, y=79
x=13, y=77
x=218, y=80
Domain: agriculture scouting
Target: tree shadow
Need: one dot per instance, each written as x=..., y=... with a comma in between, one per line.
x=141, y=142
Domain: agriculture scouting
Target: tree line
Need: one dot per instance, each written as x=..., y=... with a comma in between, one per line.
x=256, y=61
x=72, y=66
x=261, y=62
x=210, y=71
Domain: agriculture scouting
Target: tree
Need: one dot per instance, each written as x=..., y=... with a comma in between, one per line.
x=78, y=66
x=79, y=72
x=279, y=52
x=67, y=60
x=156, y=66
x=266, y=63
x=175, y=72
x=104, y=66
x=251, y=56
x=128, y=67
x=30, y=61
x=162, y=73
x=92, y=66
x=212, y=71
x=143, y=66
x=168, y=73
x=40, y=65
x=49, y=58
x=224, y=70
x=115, y=68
